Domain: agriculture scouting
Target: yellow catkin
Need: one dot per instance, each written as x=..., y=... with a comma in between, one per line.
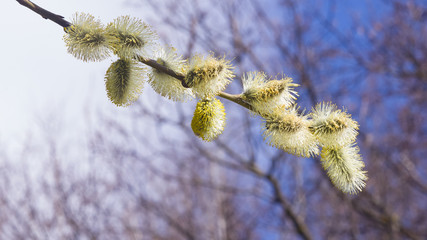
x=265, y=95
x=124, y=82
x=271, y=89
x=344, y=167
x=132, y=37
x=86, y=39
x=333, y=127
x=209, y=119
x=199, y=75
x=288, y=130
x=208, y=76
x=288, y=123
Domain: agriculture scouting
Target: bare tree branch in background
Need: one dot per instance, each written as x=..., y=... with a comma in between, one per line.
x=133, y=181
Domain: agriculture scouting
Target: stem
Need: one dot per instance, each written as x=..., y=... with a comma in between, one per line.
x=44, y=13
x=150, y=62
x=154, y=64
x=236, y=99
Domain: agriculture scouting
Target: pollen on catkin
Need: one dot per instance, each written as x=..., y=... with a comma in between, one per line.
x=344, y=167
x=164, y=84
x=124, y=82
x=208, y=76
x=209, y=119
x=265, y=95
x=287, y=130
x=86, y=38
x=332, y=127
x=132, y=37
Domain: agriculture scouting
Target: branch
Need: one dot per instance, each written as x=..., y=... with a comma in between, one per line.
x=386, y=219
x=154, y=64
x=150, y=62
x=175, y=223
x=44, y=13
x=236, y=99
x=298, y=223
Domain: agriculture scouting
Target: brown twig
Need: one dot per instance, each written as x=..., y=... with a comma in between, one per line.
x=236, y=99
x=150, y=62
x=154, y=64
x=44, y=13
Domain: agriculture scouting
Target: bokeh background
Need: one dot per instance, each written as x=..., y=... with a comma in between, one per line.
x=74, y=166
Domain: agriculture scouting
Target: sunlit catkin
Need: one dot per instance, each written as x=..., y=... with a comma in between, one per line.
x=124, y=82
x=288, y=130
x=86, y=38
x=332, y=127
x=344, y=167
x=266, y=95
x=132, y=37
x=209, y=119
x=207, y=76
x=164, y=84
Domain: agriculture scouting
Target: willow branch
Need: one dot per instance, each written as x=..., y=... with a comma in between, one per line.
x=44, y=13
x=150, y=62
x=154, y=64
x=236, y=98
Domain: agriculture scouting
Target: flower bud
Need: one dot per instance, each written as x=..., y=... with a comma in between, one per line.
x=288, y=130
x=124, y=82
x=344, y=167
x=266, y=95
x=86, y=38
x=209, y=119
x=132, y=37
x=332, y=127
x=208, y=76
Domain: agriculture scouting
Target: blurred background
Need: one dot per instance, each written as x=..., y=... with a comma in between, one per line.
x=74, y=166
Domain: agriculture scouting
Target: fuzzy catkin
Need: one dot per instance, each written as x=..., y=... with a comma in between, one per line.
x=288, y=130
x=344, y=167
x=86, y=38
x=331, y=126
x=208, y=76
x=124, y=82
x=209, y=119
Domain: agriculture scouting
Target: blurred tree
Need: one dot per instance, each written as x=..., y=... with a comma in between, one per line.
x=144, y=182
